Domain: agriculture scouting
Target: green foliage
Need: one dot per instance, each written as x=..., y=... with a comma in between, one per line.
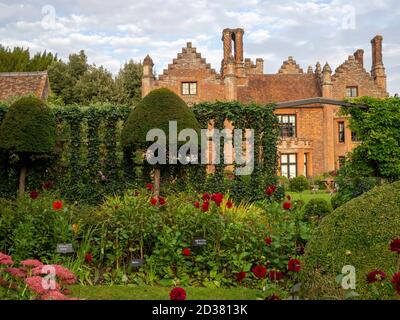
x=378, y=128
x=28, y=128
x=128, y=83
x=19, y=60
x=358, y=234
x=299, y=184
x=317, y=208
x=154, y=112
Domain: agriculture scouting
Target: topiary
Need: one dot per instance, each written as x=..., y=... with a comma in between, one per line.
x=299, y=184
x=155, y=111
x=358, y=234
x=28, y=130
x=317, y=207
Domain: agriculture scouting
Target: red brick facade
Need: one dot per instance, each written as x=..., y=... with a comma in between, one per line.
x=317, y=126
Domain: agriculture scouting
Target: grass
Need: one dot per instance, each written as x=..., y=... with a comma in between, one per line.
x=134, y=292
x=308, y=195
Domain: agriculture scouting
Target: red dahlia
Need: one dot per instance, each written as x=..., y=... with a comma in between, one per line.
x=57, y=205
x=217, y=198
x=375, y=276
x=206, y=197
x=177, y=294
x=149, y=186
x=88, y=257
x=229, y=204
x=287, y=205
x=396, y=282
x=270, y=190
x=395, y=245
x=268, y=241
x=47, y=185
x=33, y=194
x=161, y=201
x=205, y=206
x=240, y=276
x=259, y=271
x=186, y=252
x=153, y=201
x=196, y=204
x=294, y=265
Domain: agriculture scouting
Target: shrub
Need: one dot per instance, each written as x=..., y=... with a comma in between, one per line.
x=299, y=184
x=358, y=234
x=317, y=208
x=28, y=130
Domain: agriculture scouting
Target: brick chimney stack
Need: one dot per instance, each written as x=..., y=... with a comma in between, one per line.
x=359, y=55
x=378, y=69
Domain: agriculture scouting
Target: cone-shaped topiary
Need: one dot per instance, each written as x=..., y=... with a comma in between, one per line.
x=28, y=129
x=357, y=234
x=155, y=111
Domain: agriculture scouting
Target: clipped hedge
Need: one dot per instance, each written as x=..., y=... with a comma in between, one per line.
x=363, y=227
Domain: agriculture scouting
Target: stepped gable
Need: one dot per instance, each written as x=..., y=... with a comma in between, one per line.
x=188, y=59
x=290, y=67
x=352, y=72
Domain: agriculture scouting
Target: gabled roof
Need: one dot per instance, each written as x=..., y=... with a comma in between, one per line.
x=14, y=84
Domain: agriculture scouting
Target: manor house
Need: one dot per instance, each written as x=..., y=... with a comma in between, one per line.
x=314, y=136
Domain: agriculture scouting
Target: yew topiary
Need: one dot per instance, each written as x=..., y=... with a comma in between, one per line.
x=155, y=111
x=357, y=234
x=28, y=131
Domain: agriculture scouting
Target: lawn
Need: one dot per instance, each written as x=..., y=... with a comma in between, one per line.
x=308, y=195
x=134, y=292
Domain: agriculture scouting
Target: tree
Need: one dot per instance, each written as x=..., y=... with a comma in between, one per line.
x=27, y=131
x=378, y=129
x=95, y=85
x=154, y=112
x=128, y=83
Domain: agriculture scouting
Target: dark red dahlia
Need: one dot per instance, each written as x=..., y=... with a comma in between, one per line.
x=149, y=186
x=88, y=257
x=395, y=245
x=196, y=204
x=259, y=271
x=240, y=276
x=205, y=206
x=153, y=201
x=229, y=204
x=47, y=185
x=217, y=198
x=268, y=241
x=375, y=276
x=177, y=294
x=206, y=197
x=186, y=252
x=396, y=282
x=289, y=197
x=270, y=190
x=161, y=201
x=33, y=194
x=294, y=265
x=287, y=205
x=275, y=275
x=273, y=297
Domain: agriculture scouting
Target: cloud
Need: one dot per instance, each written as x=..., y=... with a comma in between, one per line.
x=116, y=31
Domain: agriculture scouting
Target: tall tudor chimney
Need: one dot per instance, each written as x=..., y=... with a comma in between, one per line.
x=378, y=69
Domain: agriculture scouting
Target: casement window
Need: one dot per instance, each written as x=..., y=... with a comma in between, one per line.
x=189, y=88
x=305, y=165
x=352, y=92
x=289, y=165
x=287, y=124
x=341, y=132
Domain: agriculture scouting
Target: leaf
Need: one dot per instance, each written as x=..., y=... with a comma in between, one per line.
x=350, y=295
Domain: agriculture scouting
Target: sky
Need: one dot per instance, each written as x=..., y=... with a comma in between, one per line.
x=113, y=32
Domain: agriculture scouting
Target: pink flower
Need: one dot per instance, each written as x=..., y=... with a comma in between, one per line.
x=37, y=284
x=52, y=295
x=16, y=272
x=65, y=276
x=31, y=263
x=5, y=260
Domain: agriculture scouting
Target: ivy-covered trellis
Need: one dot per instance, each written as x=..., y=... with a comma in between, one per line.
x=90, y=163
